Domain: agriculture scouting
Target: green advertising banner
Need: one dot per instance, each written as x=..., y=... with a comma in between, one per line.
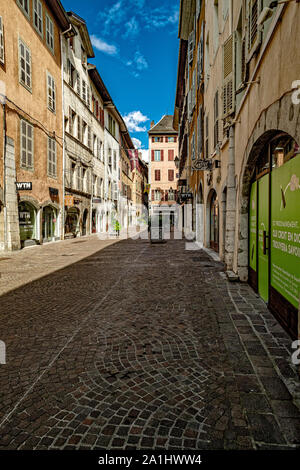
x=263, y=229
x=253, y=226
x=285, y=230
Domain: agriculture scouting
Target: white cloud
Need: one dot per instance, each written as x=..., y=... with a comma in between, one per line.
x=137, y=143
x=132, y=28
x=145, y=155
x=134, y=120
x=103, y=46
x=140, y=61
x=161, y=17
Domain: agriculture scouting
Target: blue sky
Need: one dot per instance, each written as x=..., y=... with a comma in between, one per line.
x=136, y=48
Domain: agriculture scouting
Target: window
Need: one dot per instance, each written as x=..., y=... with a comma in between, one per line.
x=79, y=178
x=79, y=129
x=99, y=149
x=157, y=155
x=84, y=133
x=228, y=78
x=49, y=33
x=171, y=175
x=170, y=155
x=206, y=137
x=71, y=72
x=89, y=140
x=216, y=119
x=157, y=195
x=171, y=139
x=24, y=4
x=25, y=65
x=71, y=120
x=171, y=195
x=26, y=145
x=157, y=175
x=111, y=125
x=157, y=139
x=1, y=41
x=51, y=157
x=51, y=93
x=84, y=90
x=38, y=16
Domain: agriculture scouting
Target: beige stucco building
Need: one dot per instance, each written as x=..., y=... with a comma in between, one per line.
x=32, y=141
x=163, y=147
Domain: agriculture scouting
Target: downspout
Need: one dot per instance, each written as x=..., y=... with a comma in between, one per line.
x=63, y=127
x=4, y=175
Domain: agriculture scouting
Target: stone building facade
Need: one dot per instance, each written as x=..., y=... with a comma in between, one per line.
x=251, y=144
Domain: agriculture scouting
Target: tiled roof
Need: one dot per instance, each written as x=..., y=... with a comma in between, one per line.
x=164, y=126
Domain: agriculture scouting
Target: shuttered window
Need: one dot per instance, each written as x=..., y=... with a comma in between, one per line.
x=157, y=175
x=170, y=155
x=171, y=175
x=49, y=33
x=216, y=119
x=84, y=90
x=38, y=16
x=51, y=93
x=254, y=34
x=200, y=133
x=24, y=4
x=52, y=171
x=191, y=45
x=228, y=77
x=26, y=145
x=1, y=41
x=25, y=65
x=79, y=129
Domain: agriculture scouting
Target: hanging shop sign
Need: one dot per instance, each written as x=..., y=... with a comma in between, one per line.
x=24, y=186
x=285, y=231
x=202, y=165
x=69, y=201
x=53, y=191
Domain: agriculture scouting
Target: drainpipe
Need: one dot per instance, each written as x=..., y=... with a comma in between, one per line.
x=231, y=202
x=4, y=176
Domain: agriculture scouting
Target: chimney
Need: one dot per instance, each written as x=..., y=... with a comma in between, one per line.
x=152, y=124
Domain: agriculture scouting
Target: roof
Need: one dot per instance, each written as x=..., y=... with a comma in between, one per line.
x=61, y=16
x=81, y=25
x=164, y=126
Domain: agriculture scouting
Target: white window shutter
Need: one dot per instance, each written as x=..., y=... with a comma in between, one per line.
x=191, y=47
x=254, y=32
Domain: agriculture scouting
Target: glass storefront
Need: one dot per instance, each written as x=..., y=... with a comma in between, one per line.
x=274, y=230
x=49, y=223
x=72, y=222
x=27, y=222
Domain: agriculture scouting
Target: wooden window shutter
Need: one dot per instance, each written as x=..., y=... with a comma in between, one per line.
x=228, y=77
x=152, y=195
x=152, y=155
x=170, y=155
x=175, y=139
x=162, y=155
x=153, y=140
x=254, y=33
x=167, y=140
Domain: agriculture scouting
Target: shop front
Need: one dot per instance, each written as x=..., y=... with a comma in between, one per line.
x=72, y=228
x=28, y=224
x=214, y=222
x=274, y=229
x=49, y=223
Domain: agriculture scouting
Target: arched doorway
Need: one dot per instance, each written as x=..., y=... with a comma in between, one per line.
x=49, y=223
x=214, y=222
x=27, y=223
x=85, y=222
x=72, y=222
x=94, y=221
x=274, y=221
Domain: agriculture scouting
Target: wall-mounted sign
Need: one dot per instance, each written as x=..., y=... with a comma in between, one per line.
x=97, y=200
x=53, y=191
x=202, y=165
x=185, y=196
x=69, y=201
x=24, y=186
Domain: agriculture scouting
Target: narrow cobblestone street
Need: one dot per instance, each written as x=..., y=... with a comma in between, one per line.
x=122, y=350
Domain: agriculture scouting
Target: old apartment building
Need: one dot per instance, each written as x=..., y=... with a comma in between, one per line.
x=163, y=147
x=247, y=156
x=31, y=133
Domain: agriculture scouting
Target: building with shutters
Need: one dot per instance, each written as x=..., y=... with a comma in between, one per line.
x=251, y=164
x=84, y=132
x=163, y=147
x=31, y=136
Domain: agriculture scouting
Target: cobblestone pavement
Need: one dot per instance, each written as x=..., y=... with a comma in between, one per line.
x=140, y=346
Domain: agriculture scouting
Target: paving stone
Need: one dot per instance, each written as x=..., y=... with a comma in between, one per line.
x=126, y=366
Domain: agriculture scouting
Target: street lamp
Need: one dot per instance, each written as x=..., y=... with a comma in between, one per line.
x=176, y=161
